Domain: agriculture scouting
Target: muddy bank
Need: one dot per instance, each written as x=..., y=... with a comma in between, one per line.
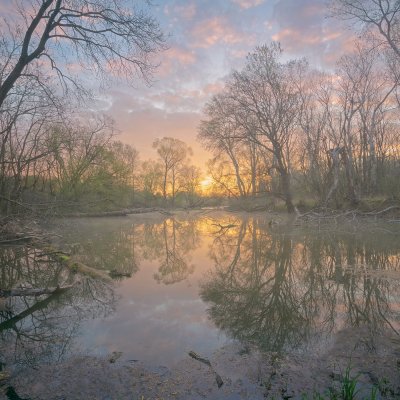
x=246, y=373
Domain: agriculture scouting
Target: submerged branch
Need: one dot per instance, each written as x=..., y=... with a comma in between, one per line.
x=33, y=291
x=205, y=361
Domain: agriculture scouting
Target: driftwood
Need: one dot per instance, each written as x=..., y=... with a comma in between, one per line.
x=11, y=323
x=78, y=267
x=18, y=240
x=119, y=213
x=205, y=361
x=122, y=213
x=334, y=214
x=74, y=264
x=114, y=273
x=21, y=292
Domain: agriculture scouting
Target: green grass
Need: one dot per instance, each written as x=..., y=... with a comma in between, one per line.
x=347, y=391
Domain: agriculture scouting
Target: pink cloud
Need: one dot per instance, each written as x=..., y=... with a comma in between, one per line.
x=303, y=29
x=215, y=30
x=245, y=4
x=187, y=11
x=174, y=59
x=213, y=88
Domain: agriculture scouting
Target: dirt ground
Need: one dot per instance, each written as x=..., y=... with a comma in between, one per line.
x=246, y=373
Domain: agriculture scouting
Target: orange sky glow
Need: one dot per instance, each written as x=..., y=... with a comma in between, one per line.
x=207, y=40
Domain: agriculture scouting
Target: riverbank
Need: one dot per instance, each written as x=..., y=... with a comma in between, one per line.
x=246, y=374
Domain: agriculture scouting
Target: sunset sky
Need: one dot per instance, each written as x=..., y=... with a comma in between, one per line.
x=207, y=39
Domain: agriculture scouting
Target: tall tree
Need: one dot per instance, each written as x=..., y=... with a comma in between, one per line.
x=173, y=153
x=266, y=93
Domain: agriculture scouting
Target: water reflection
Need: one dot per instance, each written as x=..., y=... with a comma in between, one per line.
x=36, y=330
x=279, y=290
x=169, y=243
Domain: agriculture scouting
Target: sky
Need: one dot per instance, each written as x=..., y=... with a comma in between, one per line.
x=207, y=39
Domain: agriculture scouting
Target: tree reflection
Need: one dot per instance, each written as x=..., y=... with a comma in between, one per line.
x=279, y=290
x=168, y=242
x=110, y=250
x=171, y=245
x=41, y=330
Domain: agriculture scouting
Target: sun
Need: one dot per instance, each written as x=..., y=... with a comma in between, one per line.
x=206, y=184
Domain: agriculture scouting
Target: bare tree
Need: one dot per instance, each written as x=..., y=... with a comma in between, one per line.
x=221, y=134
x=382, y=16
x=101, y=36
x=267, y=97
x=173, y=153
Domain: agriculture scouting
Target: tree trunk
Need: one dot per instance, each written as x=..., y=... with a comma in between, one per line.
x=285, y=180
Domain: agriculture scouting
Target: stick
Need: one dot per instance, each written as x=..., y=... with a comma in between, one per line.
x=194, y=355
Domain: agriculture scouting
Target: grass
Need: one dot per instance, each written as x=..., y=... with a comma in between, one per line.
x=347, y=391
x=349, y=385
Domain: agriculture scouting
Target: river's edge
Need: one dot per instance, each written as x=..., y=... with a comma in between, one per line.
x=246, y=373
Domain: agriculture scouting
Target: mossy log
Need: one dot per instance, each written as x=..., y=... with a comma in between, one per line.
x=78, y=267
x=75, y=265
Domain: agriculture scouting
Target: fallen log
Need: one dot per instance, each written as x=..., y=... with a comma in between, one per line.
x=17, y=240
x=39, y=305
x=122, y=213
x=207, y=362
x=114, y=273
x=118, y=213
x=78, y=267
x=75, y=265
x=25, y=292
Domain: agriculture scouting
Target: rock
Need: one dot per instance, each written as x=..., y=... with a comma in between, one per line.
x=115, y=355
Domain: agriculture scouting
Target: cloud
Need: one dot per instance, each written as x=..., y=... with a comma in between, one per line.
x=304, y=29
x=186, y=11
x=215, y=30
x=174, y=59
x=208, y=39
x=245, y=4
x=143, y=118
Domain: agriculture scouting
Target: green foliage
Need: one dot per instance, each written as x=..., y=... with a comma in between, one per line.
x=63, y=257
x=347, y=391
x=349, y=385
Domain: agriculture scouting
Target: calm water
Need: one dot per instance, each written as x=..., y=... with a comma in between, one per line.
x=198, y=282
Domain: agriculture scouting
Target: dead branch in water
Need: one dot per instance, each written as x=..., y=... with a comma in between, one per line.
x=224, y=227
x=25, y=292
x=205, y=361
x=119, y=213
x=334, y=215
x=17, y=240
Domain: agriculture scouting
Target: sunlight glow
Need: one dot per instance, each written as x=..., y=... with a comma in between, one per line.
x=206, y=184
